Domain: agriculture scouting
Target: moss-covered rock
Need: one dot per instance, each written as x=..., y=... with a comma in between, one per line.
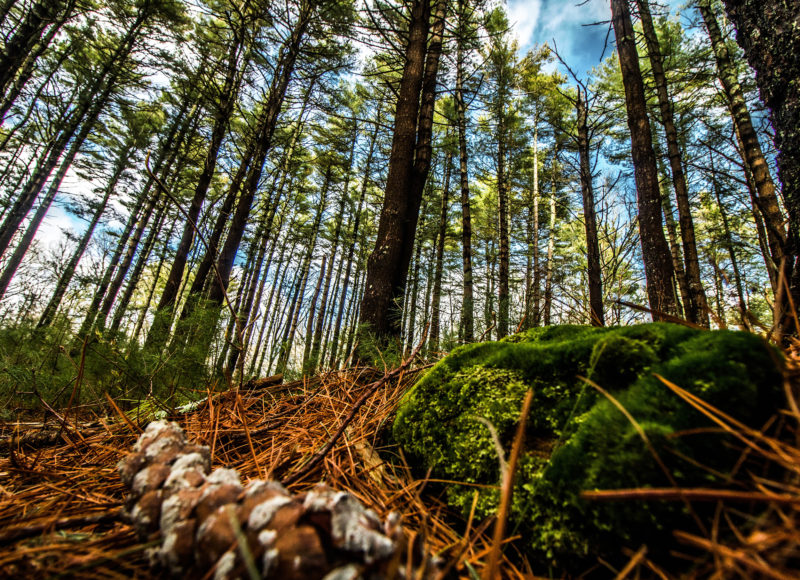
x=579, y=440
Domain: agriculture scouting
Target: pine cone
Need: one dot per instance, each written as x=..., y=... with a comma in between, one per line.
x=210, y=521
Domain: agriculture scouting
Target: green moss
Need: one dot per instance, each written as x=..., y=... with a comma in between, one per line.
x=577, y=439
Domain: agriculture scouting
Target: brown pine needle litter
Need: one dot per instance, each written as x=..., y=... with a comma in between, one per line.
x=60, y=493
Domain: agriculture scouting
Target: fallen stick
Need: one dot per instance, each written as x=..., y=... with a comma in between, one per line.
x=15, y=534
x=696, y=494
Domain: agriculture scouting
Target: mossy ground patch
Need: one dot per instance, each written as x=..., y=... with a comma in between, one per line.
x=579, y=440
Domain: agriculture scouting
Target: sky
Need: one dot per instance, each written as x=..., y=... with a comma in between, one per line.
x=581, y=47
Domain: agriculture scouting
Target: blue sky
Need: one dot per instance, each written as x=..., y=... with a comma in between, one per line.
x=540, y=21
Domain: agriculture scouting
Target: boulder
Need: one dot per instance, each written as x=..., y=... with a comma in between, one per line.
x=577, y=439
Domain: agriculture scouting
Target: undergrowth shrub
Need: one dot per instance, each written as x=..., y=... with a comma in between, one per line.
x=44, y=364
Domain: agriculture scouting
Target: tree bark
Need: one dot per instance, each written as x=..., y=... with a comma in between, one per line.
x=696, y=307
x=502, y=202
x=433, y=340
x=594, y=273
x=308, y=365
x=284, y=70
x=551, y=245
x=467, y=323
x=767, y=31
x=655, y=251
x=387, y=266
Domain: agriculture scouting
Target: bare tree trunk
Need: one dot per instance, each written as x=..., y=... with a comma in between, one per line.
x=504, y=255
x=307, y=363
x=468, y=300
x=695, y=307
x=531, y=256
x=593, y=270
x=767, y=31
x=439, y=260
x=551, y=245
x=387, y=268
x=655, y=251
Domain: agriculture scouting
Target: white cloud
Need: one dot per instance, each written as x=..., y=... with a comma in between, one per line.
x=524, y=17
x=562, y=21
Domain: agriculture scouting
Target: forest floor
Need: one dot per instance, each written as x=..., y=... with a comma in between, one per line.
x=61, y=495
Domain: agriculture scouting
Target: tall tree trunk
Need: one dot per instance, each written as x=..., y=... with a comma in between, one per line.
x=681, y=283
x=551, y=245
x=424, y=148
x=412, y=298
x=753, y=155
x=767, y=31
x=49, y=313
x=695, y=307
x=489, y=314
x=308, y=364
x=284, y=70
x=594, y=273
x=318, y=329
x=441, y=238
x=91, y=102
x=537, y=269
x=655, y=251
x=386, y=268
x=224, y=108
x=246, y=308
x=531, y=255
x=502, y=202
x=467, y=301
